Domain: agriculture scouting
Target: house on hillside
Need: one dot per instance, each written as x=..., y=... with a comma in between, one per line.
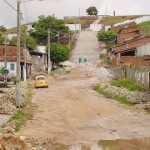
x=132, y=53
x=11, y=58
x=125, y=32
x=35, y=61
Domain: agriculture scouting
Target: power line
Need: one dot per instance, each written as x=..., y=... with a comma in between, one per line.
x=10, y=5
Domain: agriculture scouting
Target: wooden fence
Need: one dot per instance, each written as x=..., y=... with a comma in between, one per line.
x=141, y=76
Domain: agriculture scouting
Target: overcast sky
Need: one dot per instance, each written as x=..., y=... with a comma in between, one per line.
x=32, y=9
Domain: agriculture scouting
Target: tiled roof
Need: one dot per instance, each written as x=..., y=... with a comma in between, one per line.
x=132, y=44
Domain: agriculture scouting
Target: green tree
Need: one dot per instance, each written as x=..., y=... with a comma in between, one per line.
x=30, y=41
x=2, y=29
x=2, y=39
x=40, y=28
x=92, y=11
x=106, y=36
x=59, y=53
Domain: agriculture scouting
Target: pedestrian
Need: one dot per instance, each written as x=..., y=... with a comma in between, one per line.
x=80, y=59
x=84, y=59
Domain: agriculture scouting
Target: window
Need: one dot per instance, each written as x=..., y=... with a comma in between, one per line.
x=12, y=66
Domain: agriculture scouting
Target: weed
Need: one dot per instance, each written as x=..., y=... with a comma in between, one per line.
x=126, y=83
x=121, y=99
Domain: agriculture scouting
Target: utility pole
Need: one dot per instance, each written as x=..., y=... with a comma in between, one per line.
x=5, y=54
x=69, y=41
x=79, y=20
x=49, y=58
x=25, y=58
x=18, y=56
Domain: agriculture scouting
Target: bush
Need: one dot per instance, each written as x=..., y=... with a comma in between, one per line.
x=106, y=36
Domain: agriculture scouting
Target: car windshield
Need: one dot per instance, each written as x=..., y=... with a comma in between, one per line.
x=40, y=78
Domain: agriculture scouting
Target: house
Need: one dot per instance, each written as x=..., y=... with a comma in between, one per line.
x=133, y=52
x=39, y=61
x=125, y=32
x=35, y=61
x=11, y=58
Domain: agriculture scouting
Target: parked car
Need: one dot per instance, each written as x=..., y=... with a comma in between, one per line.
x=40, y=81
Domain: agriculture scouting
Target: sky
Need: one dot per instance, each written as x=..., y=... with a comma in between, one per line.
x=60, y=8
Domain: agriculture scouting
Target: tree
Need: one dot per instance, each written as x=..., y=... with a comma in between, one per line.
x=2, y=29
x=106, y=36
x=2, y=39
x=92, y=11
x=58, y=53
x=30, y=42
x=40, y=28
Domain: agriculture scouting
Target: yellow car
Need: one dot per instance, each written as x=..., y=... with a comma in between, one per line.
x=40, y=81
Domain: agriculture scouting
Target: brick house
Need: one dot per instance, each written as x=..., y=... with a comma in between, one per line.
x=36, y=61
x=134, y=51
x=125, y=32
x=11, y=58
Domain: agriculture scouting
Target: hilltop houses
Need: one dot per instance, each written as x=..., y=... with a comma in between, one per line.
x=131, y=47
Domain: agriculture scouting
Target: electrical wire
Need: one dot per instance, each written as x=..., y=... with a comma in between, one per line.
x=10, y=5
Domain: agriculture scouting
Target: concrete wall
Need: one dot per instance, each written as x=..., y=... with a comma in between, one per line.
x=74, y=27
x=13, y=72
x=143, y=50
x=95, y=27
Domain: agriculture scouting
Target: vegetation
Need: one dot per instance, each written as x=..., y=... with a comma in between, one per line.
x=111, y=20
x=59, y=53
x=106, y=36
x=126, y=83
x=145, y=27
x=118, y=98
x=92, y=11
x=39, y=33
x=19, y=119
x=2, y=29
x=30, y=41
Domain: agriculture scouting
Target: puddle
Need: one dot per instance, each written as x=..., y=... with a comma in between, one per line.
x=135, y=144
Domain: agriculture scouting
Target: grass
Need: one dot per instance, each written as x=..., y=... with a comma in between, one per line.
x=126, y=83
x=145, y=27
x=111, y=20
x=120, y=99
x=20, y=118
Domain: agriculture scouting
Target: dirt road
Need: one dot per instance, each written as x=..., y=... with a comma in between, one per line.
x=70, y=111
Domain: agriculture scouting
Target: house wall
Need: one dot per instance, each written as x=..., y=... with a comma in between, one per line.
x=74, y=27
x=130, y=61
x=12, y=72
x=143, y=50
x=39, y=63
x=133, y=44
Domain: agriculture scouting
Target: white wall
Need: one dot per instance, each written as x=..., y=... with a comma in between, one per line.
x=137, y=20
x=13, y=72
x=74, y=27
x=143, y=50
x=41, y=49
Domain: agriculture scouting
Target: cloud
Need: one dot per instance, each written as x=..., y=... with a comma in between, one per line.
x=31, y=10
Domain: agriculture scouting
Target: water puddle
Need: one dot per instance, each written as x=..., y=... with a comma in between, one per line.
x=135, y=144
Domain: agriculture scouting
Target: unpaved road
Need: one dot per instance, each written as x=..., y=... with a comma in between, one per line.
x=70, y=111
